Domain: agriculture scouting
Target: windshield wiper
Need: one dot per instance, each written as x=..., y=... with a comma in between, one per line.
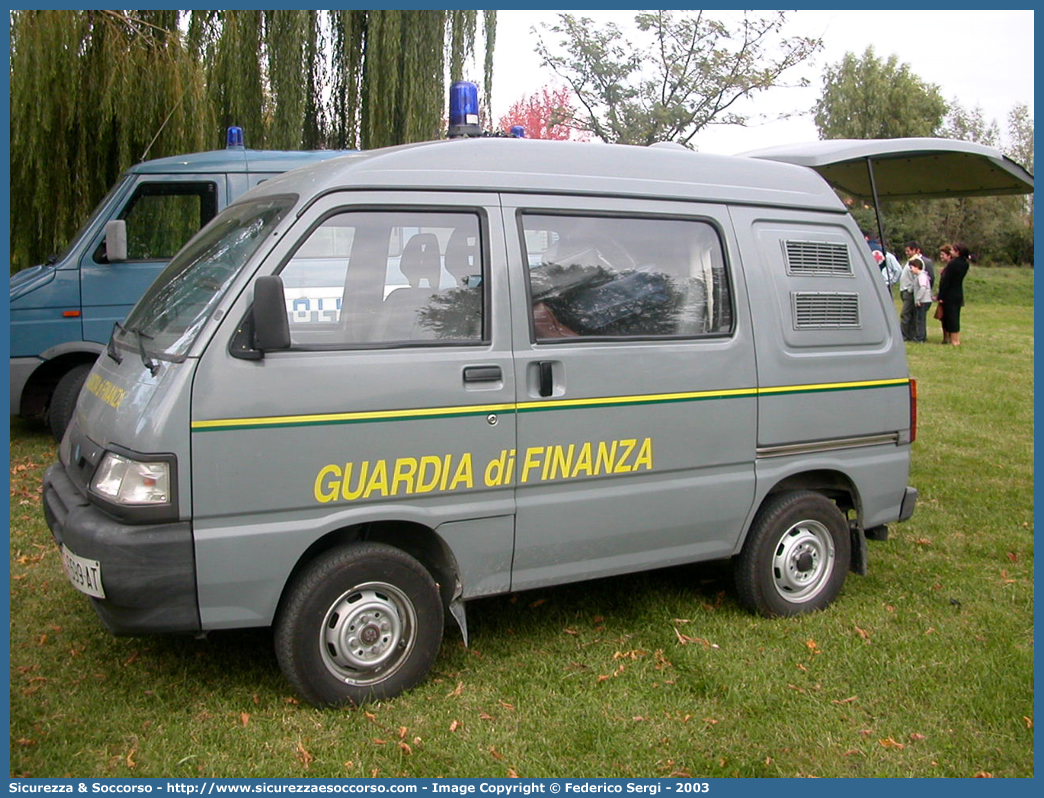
x=150, y=364
x=110, y=348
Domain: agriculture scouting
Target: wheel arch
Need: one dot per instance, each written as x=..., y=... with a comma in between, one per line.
x=835, y=485
x=417, y=540
x=38, y=389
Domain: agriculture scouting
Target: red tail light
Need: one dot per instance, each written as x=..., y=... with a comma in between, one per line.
x=913, y=410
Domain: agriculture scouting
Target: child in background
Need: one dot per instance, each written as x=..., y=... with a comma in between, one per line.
x=922, y=299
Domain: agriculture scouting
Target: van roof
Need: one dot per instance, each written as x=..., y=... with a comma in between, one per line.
x=234, y=160
x=554, y=167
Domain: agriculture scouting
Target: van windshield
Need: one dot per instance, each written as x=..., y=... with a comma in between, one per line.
x=171, y=313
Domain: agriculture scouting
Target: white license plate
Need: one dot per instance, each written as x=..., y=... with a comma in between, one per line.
x=84, y=574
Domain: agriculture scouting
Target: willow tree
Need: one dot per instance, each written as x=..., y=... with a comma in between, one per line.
x=80, y=114
x=389, y=69
x=94, y=91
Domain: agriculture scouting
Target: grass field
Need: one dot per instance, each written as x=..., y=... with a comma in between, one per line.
x=922, y=668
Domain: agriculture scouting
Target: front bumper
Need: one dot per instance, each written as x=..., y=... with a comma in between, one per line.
x=148, y=572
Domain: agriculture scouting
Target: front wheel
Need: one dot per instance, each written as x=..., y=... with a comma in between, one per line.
x=796, y=555
x=360, y=623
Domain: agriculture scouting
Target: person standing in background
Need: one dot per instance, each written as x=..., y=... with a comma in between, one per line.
x=922, y=299
x=951, y=292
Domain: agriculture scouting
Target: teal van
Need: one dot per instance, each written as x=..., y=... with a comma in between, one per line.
x=62, y=313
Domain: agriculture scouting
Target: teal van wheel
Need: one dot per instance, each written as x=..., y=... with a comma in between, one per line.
x=360, y=623
x=63, y=400
x=796, y=555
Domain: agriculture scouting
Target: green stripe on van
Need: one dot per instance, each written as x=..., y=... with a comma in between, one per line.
x=372, y=416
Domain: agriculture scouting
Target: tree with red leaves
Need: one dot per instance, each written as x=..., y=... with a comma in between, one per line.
x=545, y=114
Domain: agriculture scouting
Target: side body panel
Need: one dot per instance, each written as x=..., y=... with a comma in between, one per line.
x=676, y=416
x=301, y=444
x=832, y=375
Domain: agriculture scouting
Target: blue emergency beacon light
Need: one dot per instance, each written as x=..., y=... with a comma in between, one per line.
x=463, y=110
x=518, y=132
x=235, y=138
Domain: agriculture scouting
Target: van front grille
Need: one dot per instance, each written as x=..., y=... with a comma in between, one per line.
x=825, y=310
x=817, y=259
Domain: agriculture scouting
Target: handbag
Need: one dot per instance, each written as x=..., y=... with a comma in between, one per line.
x=939, y=311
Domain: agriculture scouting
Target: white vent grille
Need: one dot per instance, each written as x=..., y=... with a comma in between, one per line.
x=825, y=311
x=817, y=258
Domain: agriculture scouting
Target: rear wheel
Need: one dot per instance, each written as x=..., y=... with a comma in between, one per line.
x=63, y=400
x=360, y=623
x=796, y=555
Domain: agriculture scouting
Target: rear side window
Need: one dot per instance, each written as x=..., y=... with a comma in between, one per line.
x=611, y=278
x=385, y=278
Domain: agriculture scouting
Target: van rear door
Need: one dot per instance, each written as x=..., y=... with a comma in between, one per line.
x=910, y=168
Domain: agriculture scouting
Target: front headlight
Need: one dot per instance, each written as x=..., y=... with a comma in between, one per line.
x=129, y=482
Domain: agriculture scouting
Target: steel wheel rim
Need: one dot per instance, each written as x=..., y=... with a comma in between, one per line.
x=803, y=561
x=367, y=633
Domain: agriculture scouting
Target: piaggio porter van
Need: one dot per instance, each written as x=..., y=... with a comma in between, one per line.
x=545, y=362
x=62, y=312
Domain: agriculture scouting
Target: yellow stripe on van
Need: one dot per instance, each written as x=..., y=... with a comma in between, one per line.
x=268, y=422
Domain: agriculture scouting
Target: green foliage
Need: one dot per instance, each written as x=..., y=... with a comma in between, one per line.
x=922, y=668
x=866, y=98
x=80, y=113
x=688, y=74
x=95, y=91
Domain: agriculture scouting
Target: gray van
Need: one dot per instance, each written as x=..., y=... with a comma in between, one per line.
x=543, y=362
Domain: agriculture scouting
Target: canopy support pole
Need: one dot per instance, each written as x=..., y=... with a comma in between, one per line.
x=877, y=205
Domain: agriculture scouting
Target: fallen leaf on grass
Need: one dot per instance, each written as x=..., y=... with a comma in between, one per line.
x=1028, y=721
x=379, y=741
x=23, y=741
x=405, y=748
x=131, y=659
x=571, y=631
x=916, y=738
x=496, y=754
x=983, y=774
x=402, y=732
x=795, y=687
x=130, y=758
x=456, y=691
x=711, y=721
x=512, y=774
x=888, y=742
x=506, y=705
x=537, y=603
x=1013, y=556
x=848, y=700
x=923, y=542
x=862, y=633
x=811, y=646
x=454, y=726
x=244, y=718
x=303, y=756
x=486, y=716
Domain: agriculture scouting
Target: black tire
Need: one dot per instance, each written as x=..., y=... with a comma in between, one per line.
x=796, y=555
x=359, y=623
x=63, y=400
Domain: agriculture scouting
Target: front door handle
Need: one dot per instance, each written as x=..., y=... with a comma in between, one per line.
x=483, y=374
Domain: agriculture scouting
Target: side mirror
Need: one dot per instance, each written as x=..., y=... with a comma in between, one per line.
x=116, y=241
x=271, y=327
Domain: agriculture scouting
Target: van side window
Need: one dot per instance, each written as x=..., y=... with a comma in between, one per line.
x=609, y=277
x=162, y=217
x=387, y=277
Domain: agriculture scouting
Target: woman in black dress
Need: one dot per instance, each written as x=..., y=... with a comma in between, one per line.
x=951, y=294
